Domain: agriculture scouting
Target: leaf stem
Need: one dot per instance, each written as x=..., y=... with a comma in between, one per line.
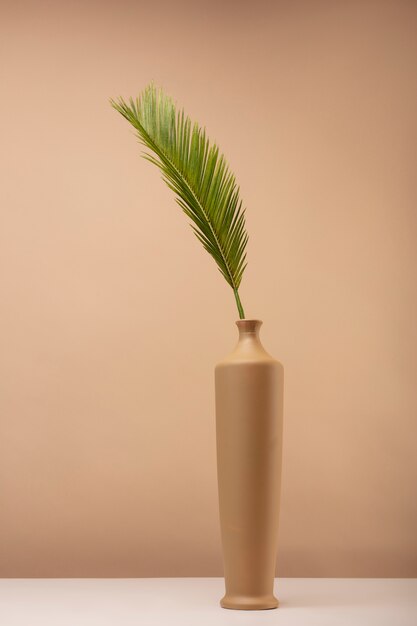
x=239, y=305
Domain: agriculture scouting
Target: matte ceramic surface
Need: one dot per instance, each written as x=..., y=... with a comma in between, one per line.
x=249, y=414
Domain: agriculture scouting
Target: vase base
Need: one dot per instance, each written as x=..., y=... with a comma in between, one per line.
x=249, y=603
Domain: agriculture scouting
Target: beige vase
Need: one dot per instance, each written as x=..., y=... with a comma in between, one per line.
x=249, y=411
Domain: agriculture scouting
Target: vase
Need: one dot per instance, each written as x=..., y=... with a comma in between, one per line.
x=249, y=415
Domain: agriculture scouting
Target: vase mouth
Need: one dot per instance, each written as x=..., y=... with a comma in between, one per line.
x=249, y=325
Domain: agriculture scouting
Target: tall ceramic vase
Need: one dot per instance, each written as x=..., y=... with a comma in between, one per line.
x=249, y=411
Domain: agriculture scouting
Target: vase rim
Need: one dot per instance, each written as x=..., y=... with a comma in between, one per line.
x=249, y=325
x=247, y=319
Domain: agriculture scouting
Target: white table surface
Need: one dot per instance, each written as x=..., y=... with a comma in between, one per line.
x=195, y=602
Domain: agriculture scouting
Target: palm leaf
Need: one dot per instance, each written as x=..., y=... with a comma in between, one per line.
x=199, y=176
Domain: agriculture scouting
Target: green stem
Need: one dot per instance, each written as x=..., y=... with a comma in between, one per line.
x=239, y=305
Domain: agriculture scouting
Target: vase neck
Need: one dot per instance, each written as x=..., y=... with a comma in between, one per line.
x=249, y=329
x=249, y=341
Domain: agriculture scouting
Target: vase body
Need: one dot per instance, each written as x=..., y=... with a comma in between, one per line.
x=249, y=414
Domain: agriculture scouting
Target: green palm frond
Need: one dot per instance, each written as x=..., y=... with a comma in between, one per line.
x=198, y=174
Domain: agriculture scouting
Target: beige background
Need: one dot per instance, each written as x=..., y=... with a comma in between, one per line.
x=112, y=317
